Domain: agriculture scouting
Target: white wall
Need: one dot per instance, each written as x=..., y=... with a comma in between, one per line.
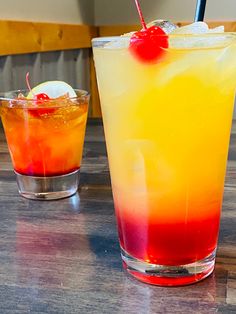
x=124, y=12
x=102, y=12
x=62, y=11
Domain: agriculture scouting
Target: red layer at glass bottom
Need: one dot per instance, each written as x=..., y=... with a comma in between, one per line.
x=173, y=243
x=36, y=171
x=169, y=281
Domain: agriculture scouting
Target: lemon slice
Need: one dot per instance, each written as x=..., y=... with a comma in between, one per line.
x=53, y=89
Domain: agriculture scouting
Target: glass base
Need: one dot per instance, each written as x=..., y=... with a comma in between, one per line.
x=162, y=275
x=48, y=188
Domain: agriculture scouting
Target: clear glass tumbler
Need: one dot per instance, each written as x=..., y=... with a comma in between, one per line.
x=45, y=139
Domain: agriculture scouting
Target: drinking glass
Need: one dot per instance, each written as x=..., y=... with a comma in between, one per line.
x=167, y=128
x=45, y=139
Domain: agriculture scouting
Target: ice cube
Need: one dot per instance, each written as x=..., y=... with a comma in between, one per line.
x=167, y=26
x=194, y=28
x=128, y=34
x=218, y=29
x=199, y=28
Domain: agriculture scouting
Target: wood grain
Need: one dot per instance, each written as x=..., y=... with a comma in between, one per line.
x=116, y=30
x=95, y=111
x=63, y=256
x=20, y=37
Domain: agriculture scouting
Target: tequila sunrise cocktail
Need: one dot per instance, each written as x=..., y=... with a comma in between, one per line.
x=167, y=125
x=45, y=139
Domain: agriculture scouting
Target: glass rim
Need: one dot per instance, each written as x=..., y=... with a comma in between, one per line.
x=177, y=42
x=10, y=100
x=203, y=35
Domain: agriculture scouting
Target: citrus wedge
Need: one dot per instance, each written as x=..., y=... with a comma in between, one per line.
x=53, y=89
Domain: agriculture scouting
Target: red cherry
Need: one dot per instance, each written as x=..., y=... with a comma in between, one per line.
x=39, y=100
x=42, y=97
x=148, y=44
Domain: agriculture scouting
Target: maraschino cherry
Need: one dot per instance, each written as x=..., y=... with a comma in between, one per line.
x=147, y=45
x=42, y=97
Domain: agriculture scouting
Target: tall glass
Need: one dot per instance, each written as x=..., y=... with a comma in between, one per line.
x=167, y=127
x=45, y=139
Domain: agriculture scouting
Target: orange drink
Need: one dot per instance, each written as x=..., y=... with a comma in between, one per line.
x=167, y=126
x=45, y=142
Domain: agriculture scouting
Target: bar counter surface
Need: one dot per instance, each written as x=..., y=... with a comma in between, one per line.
x=63, y=256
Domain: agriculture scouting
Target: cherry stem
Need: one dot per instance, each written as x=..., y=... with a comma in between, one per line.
x=28, y=84
x=140, y=15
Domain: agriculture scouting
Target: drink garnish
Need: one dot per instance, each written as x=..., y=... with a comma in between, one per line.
x=39, y=100
x=53, y=89
x=45, y=94
x=41, y=96
x=148, y=44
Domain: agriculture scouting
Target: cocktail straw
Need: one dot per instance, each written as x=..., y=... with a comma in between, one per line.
x=200, y=10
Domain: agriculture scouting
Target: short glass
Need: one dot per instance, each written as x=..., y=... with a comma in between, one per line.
x=45, y=139
x=167, y=128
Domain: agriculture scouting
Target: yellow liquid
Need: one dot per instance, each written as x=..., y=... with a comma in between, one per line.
x=167, y=128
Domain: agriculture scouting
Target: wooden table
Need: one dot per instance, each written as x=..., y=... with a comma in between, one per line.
x=63, y=256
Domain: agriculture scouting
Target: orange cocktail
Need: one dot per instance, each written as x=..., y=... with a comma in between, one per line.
x=167, y=126
x=45, y=137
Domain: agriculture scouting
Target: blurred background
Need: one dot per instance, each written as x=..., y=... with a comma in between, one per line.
x=100, y=12
x=52, y=38
x=123, y=11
